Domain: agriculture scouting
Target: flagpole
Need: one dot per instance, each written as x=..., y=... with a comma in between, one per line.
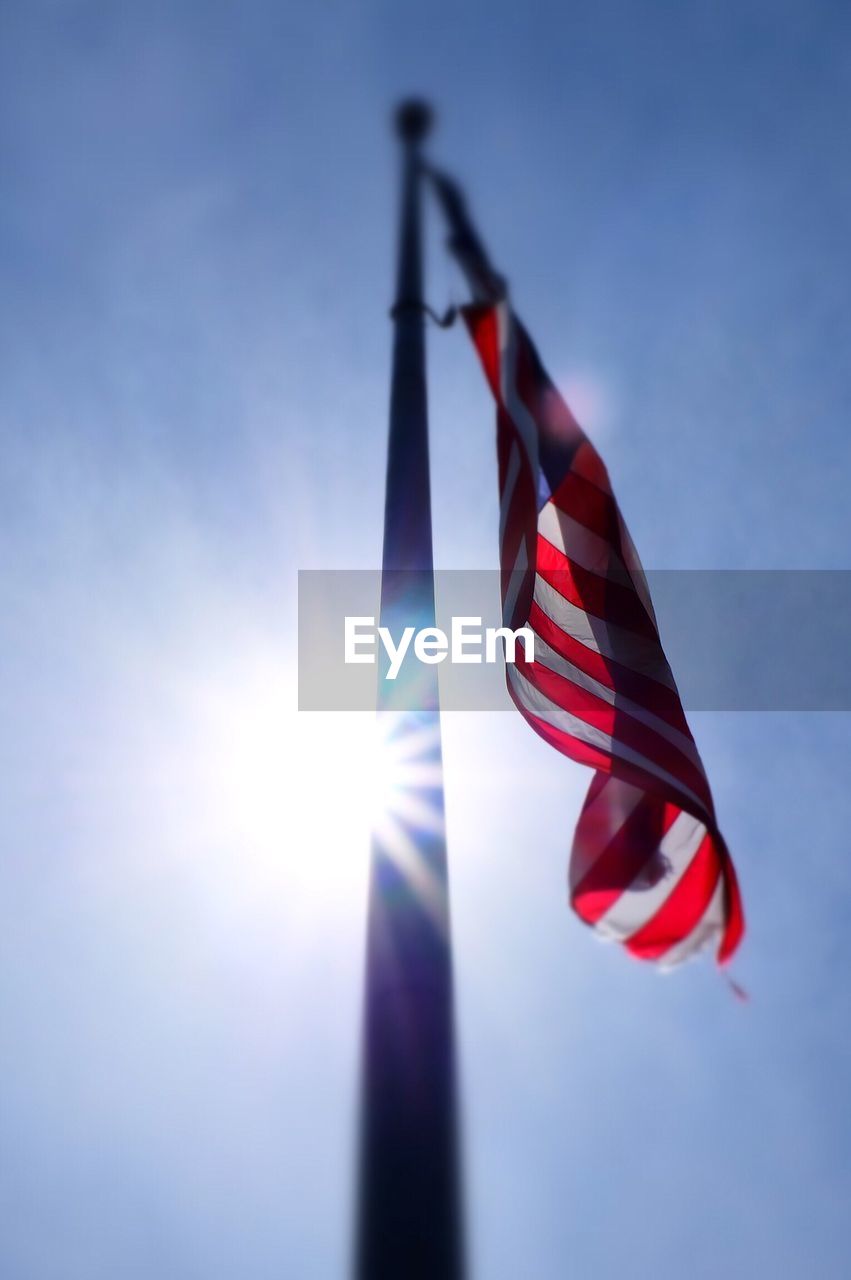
x=410, y=1216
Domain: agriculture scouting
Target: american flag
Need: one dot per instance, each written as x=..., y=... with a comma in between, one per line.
x=649, y=867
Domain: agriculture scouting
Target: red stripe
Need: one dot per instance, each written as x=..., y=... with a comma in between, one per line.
x=621, y=726
x=623, y=858
x=482, y=324
x=588, y=463
x=588, y=505
x=593, y=594
x=597, y=783
x=682, y=910
x=650, y=694
x=585, y=753
x=734, y=928
x=595, y=826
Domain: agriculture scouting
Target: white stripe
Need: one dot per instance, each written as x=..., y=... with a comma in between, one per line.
x=515, y=582
x=638, y=653
x=708, y=929
x=582, y=545
x=548, y=657
x=636, y=905
x=538, y=704
x=508, y=492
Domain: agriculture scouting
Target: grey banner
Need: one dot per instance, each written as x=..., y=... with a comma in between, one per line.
x=736, y=640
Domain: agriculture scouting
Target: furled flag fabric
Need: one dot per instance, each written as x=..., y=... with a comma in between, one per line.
x=649, y=868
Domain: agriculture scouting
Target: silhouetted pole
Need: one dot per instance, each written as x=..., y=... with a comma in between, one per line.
x=410, y=1209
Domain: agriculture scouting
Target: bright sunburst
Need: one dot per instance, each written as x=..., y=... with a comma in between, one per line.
x=298, y=794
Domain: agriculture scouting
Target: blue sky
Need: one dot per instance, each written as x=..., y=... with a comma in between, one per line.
x=196, y=242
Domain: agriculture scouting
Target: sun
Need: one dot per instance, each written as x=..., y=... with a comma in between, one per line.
x=299, y=797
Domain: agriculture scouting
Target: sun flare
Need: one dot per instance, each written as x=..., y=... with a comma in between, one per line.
x=300, y=794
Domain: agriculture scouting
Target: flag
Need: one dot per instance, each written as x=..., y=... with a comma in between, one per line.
x=649, y=868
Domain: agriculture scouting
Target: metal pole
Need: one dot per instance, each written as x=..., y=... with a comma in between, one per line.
x=410, y=1210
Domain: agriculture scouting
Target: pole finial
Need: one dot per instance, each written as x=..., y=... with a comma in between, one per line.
x=414, y=118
